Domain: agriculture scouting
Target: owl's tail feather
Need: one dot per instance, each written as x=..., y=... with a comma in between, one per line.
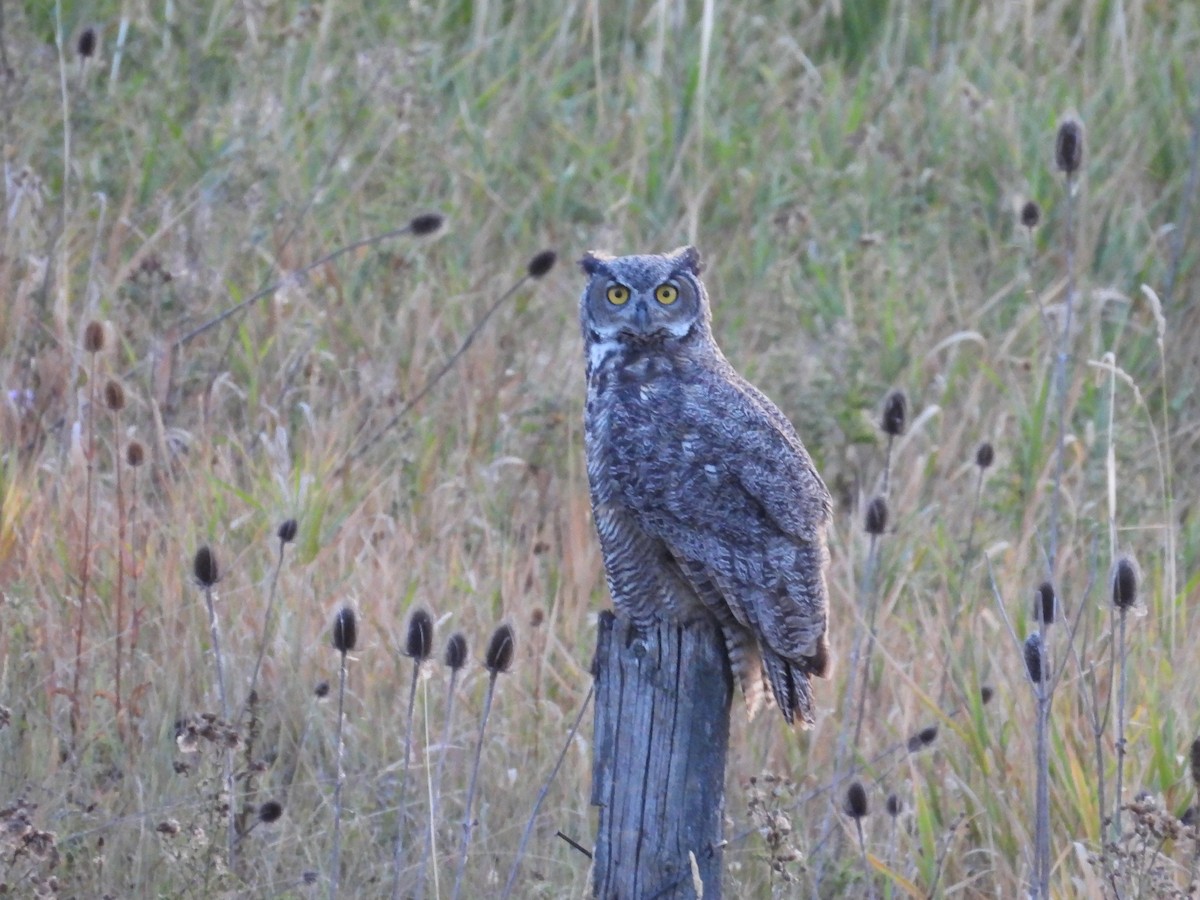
x=746, y=665
x=791, y=687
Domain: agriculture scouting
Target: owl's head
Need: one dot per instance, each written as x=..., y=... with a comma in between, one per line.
x=643, y=299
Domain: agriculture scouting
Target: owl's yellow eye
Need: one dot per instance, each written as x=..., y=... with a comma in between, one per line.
x=618, y=294
x=666, y=294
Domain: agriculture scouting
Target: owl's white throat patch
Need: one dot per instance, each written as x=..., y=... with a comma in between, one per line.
x=599, y=351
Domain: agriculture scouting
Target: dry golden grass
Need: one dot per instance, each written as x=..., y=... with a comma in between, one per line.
x=853, y=173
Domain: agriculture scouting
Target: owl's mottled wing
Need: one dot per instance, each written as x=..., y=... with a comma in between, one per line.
x=734, y=497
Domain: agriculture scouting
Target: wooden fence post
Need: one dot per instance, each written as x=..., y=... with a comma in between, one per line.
x=658, y=773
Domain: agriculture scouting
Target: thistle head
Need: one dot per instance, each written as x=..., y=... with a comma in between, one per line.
x=345, y=630
x=500, y=650
x=418, y=644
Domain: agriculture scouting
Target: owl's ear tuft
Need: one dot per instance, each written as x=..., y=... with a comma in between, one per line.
x=593, y=261
x=688, y=258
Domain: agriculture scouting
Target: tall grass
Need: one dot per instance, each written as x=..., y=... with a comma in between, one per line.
x=855, y=175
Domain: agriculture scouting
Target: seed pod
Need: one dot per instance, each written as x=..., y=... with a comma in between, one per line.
x=87, y=42
x=321, y=691
x=542, y=263
x=135, y=454
x=114, y=395
x=500, y=650
x=1033, y=657
x=895, y=805
x=985, y=455
x=419, y=644
x=895, y=414
x=1125, y=578
x=877, y=516
x=856, y=800
x=1068, y=146
x=270, y=811
x=923, y=738
x=986, y=692
x=426, y=223
x=287, y=531
x=456, y=651
x=204, y=567
x=1045, y=604
x=345, y=630
x=1031, y=214
x=93, y=337
x=1195, y=761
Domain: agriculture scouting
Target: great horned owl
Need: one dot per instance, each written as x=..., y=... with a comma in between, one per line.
x=703, y=496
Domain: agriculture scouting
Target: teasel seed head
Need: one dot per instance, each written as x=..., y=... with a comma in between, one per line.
x=1125, y=578
x=537, y=617
x=426, y=223
x=321, y=691
x=500, y=650
x=1195, y=763
x=923, y=738
x=456, y=651
x=114, y=395
x=419, y=644
x=986, y=693
x=135, y=454
x=204, y=567
x=1033, y=657
x=877, y=516
x=542, y=263
x=287, y=531
x=345, y=630
x=1031, y=214
x=856, y=800
x=87, y=42
x=985, y=455
x=1045, y=604
x=93, y=337
x=1068, y=146
x=894, y=805
x=895, y=414
x=270, y=811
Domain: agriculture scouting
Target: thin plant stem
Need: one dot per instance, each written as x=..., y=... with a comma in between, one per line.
x=215, y=632
x=525, y=835
x=398, y=852
x=887, y=465
x=1098, y=729
x=275, y=286
x=949, y=654
x=468, y=821
x=862, y=849
x=872, y=611
x=430, y=848
x=1122, y=656
x=268, y=621
x=335, y=870
x=1060, y=376
x=85, y=564
x=358, y=452
x=120, y=588
x=852, y=686
x=134, y=569
x=1043, y=693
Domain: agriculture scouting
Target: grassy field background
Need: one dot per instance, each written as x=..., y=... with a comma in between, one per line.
x=854, y=175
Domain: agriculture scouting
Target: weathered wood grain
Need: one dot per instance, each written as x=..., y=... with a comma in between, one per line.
x=661, y=736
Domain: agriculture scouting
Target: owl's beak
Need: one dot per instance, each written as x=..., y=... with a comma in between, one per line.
x=641, y=317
